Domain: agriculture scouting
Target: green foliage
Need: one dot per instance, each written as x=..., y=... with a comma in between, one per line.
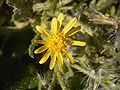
x=22, y=9
x=97, y=65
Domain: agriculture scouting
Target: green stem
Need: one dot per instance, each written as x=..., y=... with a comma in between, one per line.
x=86, y=72
x=19, y=27
x=63, y=86
x=51, y=85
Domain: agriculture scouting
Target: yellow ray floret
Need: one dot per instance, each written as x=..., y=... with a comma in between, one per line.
x=60, y=18
x=77, y=43
x=54, y=26
x=42, y=31
x=60, y=59
x=73, y=31
x=45, y=57
x=56, y=42
x=53, y=59
x=69, y=56
x=40, y=49
x=40, y=41
x=70, y=24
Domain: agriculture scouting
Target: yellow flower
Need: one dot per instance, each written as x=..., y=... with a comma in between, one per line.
x=107, y=15
x=56, y=42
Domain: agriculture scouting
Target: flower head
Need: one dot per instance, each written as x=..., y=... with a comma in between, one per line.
x=56, y=42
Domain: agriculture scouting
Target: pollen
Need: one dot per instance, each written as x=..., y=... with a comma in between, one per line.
x=57, y=43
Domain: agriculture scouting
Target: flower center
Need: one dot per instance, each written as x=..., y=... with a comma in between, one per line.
x=57, y=42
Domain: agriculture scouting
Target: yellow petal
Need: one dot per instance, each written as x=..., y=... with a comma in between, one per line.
x=73, y=31
x=40, y=49
x=60, y=18
x=54, y=26
x=52, y=62
x=70, y=24
x=40, y=41
x=69, y=56
x=42, y=31
x=45, y=57
x=60, y=59
x=77, y=43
